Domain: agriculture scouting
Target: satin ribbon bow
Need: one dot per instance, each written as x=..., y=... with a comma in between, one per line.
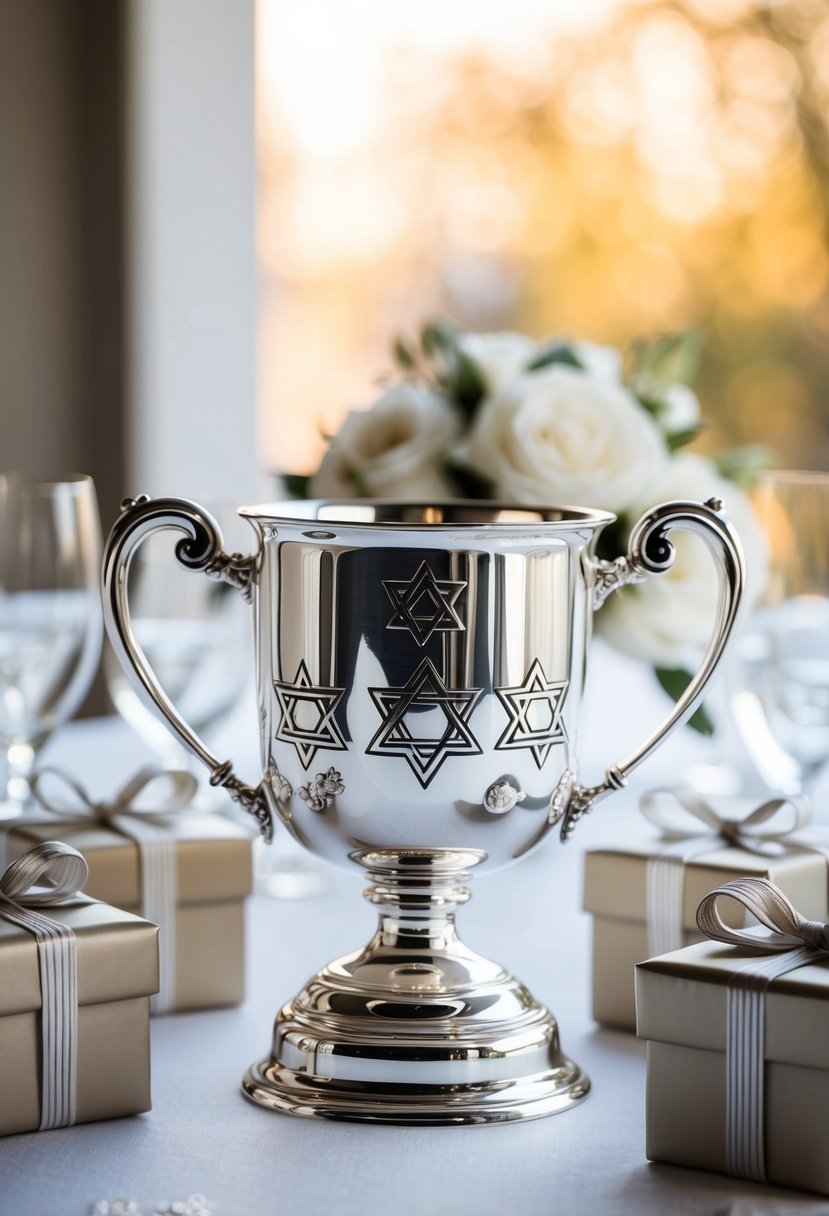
x=149, y=829
x=791, y=941
x=182, y=788
x=788, y=930
x=49, y=874
x=677, y=811
x=692, y=827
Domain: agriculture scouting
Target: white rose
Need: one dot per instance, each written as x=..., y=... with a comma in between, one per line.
x=394, y=449
x=498, y=357
x=561, y=436
x=668, y=619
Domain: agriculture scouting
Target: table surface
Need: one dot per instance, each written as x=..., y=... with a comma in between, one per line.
x=203, y=1136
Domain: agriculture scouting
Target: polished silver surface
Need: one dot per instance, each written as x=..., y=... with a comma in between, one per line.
x=416, y=1028
x=420, y=670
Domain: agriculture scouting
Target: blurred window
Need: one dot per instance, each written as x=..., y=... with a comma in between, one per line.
x=599, y=167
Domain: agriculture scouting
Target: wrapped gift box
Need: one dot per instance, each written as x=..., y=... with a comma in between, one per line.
x=681, y=1011
x=117, y=966
x=615, y=892
x=214, y=875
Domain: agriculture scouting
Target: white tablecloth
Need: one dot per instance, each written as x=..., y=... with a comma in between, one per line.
x=202, y=1135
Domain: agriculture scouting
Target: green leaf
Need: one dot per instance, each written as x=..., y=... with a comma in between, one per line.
x=470, y=483
x=743, y=465
x=673, y=359
x=648, y=397
x=403, y=355
x=456, y=374
x=555, y=352
x=217, y=591
x=674, y=681
x=613, y=538
x=467, y=388
x=680, y=439
x=359, y=481
x=296, y=484
x=438, y=337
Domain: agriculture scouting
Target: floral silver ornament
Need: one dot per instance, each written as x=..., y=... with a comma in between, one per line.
x=280, y=786
x=322, y=789
x=501, y=797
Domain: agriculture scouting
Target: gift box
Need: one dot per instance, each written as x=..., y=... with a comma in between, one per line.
x=616, y=892
x=116, y=961
x=204, y=865
x=735, y=1087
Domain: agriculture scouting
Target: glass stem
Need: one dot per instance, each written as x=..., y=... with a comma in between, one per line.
x=20, y=761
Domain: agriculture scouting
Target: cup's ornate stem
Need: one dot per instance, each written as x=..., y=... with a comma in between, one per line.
x=417, y=883
x=416, y=1028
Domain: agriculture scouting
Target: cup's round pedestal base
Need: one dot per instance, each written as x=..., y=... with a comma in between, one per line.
x=442, y=1036
x=416, y=1028
x=530, y=1097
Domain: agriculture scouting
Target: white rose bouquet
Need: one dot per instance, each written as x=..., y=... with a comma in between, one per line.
x=502, y=416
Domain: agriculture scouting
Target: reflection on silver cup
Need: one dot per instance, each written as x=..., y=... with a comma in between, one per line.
x=420, y=673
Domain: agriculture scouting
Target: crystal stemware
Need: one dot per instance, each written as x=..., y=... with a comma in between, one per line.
x=50, y=615
x=779, y=675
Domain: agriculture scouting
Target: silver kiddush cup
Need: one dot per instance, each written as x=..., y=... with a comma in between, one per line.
x=420, y=673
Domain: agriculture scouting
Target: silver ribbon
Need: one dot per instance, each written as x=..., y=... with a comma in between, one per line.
x=692, y=827
x=148, y=827
x=49, y=874
x=792, y=942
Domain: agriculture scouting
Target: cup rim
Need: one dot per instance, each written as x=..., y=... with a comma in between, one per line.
x=426, y=516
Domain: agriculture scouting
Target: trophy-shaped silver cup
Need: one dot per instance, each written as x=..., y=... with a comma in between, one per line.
x=420, y=672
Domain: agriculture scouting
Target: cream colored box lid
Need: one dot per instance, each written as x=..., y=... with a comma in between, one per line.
x=117, y=957
x=614, y=877
x=681, y=999
x=213, y=856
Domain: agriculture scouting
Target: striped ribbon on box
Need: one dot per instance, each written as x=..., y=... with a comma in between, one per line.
x=147, y=824
x=50, y=874
x=792, y=942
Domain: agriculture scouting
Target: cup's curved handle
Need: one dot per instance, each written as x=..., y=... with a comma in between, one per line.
x=651, y=552
x=201, y=549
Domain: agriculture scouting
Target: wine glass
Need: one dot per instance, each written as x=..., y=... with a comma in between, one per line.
x=779, y=675
x=50, y=615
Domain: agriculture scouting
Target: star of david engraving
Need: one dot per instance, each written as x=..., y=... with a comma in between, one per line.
x=534, y=709
x=397, y=736
x=424, y=605
x=308, y=715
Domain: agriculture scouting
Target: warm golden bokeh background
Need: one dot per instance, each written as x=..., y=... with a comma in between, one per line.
x=604, y=168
